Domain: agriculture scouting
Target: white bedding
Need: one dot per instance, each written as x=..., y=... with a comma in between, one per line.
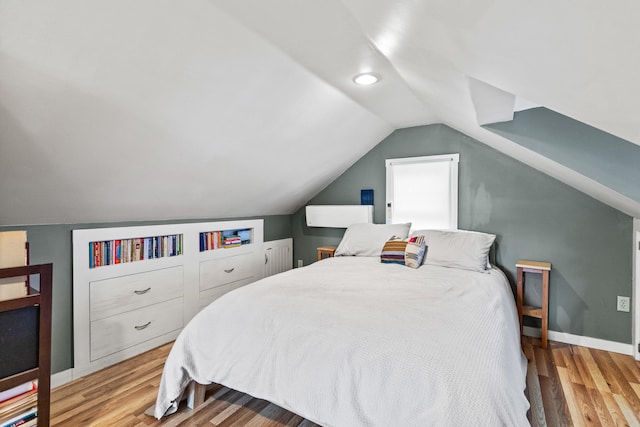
x=350, y=341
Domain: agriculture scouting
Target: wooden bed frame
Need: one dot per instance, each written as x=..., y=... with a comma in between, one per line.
x=195, y=394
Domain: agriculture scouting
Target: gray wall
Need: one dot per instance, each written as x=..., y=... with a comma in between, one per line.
x=612, y=161
x=52, y=243
x=534, y=216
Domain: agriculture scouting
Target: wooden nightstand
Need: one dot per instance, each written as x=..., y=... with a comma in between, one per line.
x=537, y=267
x=326, y=252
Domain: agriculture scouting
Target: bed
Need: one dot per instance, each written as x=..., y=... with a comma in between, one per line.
x=353, y=341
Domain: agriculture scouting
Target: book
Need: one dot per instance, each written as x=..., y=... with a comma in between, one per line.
x=21, y=419
x=136, y=250
x=18, y=404
x=92, y=262
x=107, y=252
x=17, y=391
x=97, y=254
x=156, y=247
x=32, y=423
x=117, y=252
x=232, y=241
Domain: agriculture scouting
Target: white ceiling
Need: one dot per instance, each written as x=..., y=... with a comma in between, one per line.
x=138, y=110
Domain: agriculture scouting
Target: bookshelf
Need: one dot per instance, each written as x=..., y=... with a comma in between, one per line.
x=225, y=239
x=121, y=309
x=120, y=251
x=25, y=327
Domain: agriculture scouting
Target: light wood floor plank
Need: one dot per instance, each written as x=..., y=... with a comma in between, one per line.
x=628, y=366
x=569, y=363
x=556, y=410
x=586, y=405
x=566, y=385
x=615, y=374
x=636, y=388
x=614, y=410
x=629, y=414
x=572, y=402
x=235, y=406
x=594, y=370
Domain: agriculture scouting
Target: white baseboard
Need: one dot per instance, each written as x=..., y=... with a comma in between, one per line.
x=564, y=337
x=61, y=378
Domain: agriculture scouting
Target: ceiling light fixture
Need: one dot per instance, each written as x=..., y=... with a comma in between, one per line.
x=366, y=79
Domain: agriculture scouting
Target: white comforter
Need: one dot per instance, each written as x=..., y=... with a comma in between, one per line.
x=350, y=341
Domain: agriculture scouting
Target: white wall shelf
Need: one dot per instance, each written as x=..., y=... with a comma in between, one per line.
x=123, y=309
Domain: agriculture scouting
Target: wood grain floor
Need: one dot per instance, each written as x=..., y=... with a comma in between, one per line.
x=566, y=385
x=570, y=385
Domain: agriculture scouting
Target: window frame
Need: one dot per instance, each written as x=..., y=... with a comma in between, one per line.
x=454, y=159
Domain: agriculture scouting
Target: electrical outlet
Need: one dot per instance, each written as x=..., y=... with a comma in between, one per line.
x=623, y=303
x=300, y=264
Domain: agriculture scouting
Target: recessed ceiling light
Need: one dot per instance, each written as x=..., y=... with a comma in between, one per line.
x=366, y=79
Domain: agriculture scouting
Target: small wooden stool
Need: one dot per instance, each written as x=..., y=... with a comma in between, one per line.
x=538, y=267
x=325, y=252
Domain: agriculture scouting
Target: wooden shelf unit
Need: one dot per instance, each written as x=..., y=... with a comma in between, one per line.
x=42, y=300
x=536, y=267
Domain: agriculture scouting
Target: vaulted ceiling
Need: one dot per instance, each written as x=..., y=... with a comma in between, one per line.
x=140, y=110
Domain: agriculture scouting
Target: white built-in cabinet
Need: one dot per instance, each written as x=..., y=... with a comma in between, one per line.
x=125, y=305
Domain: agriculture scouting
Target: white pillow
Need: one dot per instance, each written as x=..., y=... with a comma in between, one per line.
x=364, y=239
x=468, y=250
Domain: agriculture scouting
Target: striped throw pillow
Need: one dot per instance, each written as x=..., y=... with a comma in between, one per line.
x=393, y=251
x=415, y=252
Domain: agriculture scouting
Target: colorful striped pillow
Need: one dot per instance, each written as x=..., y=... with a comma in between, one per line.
x=408, y=252
x=393, y=251
x=415, y=251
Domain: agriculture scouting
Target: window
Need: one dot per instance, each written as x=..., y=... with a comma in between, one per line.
x=423, y=191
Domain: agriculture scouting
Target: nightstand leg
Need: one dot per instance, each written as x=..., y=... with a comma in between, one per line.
x=545, y=308
x=520, y=297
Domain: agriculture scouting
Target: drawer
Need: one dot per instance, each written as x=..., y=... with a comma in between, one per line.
x=210, y=295
x=125, y=293
x=115, y=333
x=221, y=271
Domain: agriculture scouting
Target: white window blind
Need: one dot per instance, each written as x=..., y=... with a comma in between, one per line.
x=423, y=191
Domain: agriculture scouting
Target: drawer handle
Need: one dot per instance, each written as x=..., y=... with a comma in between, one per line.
x=141, y=327
x=142, y=292
x=229, y=270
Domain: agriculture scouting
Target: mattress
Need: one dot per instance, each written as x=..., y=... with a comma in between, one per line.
x=350, y=341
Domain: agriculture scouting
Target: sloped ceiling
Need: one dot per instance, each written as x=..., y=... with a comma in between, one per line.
x=138, y=110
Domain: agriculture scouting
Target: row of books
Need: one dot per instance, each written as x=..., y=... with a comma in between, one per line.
x=224, y=239
x=121, y=251
x=19, y=406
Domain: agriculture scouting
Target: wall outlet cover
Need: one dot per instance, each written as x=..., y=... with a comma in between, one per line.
x=624, y=304
x=300, y=264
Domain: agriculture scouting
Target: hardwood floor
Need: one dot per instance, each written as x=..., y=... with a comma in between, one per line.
x=566, y=385
x=570, y=385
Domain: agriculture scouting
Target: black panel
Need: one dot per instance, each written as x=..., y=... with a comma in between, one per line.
x=18, y=340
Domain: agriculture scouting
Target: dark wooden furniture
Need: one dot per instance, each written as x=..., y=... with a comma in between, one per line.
x=40, y=304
